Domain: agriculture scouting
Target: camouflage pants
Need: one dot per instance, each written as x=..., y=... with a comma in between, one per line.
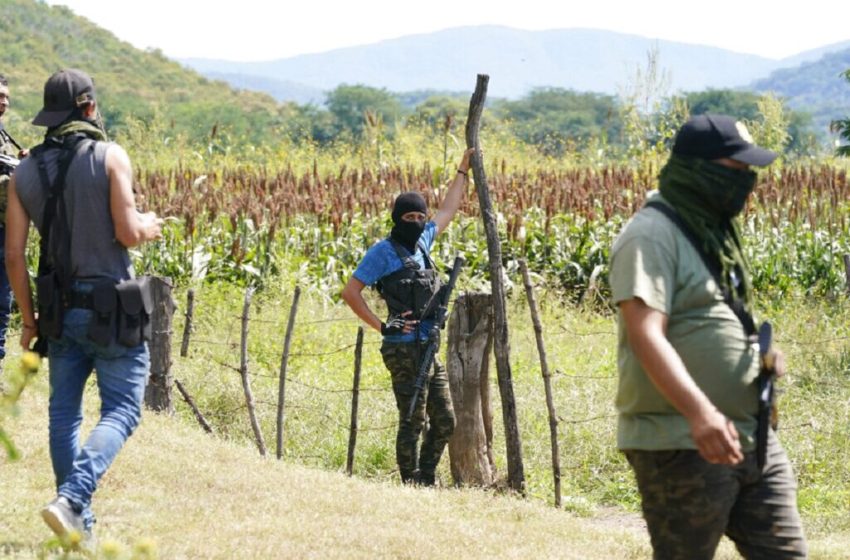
x=402, y=360
x=689, y=503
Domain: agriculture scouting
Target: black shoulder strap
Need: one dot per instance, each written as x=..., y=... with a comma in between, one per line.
x=407, y=258
x=8, y=137
x=61, y=262
x=711, y=263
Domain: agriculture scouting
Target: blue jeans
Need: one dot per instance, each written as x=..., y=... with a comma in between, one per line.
x=5, y=294
x=121, y=377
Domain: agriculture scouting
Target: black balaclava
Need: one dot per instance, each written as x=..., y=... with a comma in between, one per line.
x=407, y=233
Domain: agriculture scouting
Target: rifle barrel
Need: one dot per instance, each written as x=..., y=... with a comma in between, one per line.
x=433, y=337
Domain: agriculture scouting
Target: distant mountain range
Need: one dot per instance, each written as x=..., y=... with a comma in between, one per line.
x=517, y=61
x=814, y=87
x=145, y=86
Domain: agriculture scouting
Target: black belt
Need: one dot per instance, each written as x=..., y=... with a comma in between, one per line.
x=79, y=300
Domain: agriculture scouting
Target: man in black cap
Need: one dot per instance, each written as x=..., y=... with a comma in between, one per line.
x=13, y=151
x=78, y=190
x=402, y=267
x=688, y=397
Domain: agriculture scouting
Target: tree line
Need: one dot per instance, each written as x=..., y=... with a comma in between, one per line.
x=554, y=120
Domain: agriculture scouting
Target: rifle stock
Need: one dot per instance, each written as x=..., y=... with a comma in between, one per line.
x=427, y=359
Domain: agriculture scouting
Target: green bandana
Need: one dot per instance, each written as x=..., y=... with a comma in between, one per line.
x=708, y=196
x=72, y=127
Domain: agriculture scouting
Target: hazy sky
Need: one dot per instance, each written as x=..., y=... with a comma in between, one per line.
x=269, y=29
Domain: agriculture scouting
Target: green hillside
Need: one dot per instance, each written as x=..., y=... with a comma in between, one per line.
x=816, y=87
x=147, y=99
x=39, y=39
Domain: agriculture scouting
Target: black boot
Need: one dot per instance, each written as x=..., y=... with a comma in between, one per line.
x=409, y=478
x=426, y=478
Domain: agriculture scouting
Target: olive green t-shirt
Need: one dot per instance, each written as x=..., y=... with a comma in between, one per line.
x=652, y=260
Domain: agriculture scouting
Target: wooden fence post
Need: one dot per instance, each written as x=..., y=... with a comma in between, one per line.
x=281, y=391
x=158, y=390
x=847, y=272
x=188, y=326
x=355, y=401
x=516, y=474
x=191, y=402
x=470, y=341
x=243, y=372
x=547, y=380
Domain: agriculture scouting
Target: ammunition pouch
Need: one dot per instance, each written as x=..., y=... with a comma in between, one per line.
x=50, y=305
x=104, y=304
x=120, y=312
x=135, y=300
x=411, y=290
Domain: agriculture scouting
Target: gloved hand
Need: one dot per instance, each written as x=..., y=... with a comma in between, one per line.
x=394, y=327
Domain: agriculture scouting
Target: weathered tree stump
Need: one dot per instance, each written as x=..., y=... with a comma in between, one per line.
x=470, y=341
x=158, y=390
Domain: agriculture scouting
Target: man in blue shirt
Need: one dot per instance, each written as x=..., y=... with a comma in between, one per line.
x=402, y=268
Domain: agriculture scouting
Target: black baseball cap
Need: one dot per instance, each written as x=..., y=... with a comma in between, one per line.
x=64, y=91
x=719, y=136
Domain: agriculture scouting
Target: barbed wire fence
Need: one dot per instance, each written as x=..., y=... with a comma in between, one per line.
x=338, y=408
x=307, y=397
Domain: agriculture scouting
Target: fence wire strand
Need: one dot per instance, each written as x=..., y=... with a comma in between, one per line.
x=806, y=348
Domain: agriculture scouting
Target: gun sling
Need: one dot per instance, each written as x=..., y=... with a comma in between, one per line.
x=765, y=379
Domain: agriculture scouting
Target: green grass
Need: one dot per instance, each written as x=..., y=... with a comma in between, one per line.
x=172, y=479
x=183, y=494
x=581, y=346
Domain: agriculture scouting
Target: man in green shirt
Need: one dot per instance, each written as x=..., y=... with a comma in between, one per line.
x=687, y=396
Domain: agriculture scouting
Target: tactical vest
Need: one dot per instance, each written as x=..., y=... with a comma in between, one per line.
x=8, y=146
x=410, y=288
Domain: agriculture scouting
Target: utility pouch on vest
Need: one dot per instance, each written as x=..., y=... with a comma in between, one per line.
x=136, y=304
x=104, y=312
x=424, y=285
x=50, y=307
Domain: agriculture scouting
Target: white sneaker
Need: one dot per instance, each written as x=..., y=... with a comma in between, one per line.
x=65, y=522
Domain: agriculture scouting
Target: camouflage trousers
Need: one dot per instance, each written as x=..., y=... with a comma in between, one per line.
x=689, y=504
x=402, y=360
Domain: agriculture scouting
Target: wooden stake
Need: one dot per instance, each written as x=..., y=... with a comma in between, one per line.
x=355, y=400
x=243, y=371
x=547, y=379
x=847, y=271
x=198, y=416
x=281, y=391
x=188, y=327
x=516, y=475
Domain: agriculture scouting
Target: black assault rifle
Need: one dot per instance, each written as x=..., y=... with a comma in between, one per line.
x=767, y=376
x=441, y=301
